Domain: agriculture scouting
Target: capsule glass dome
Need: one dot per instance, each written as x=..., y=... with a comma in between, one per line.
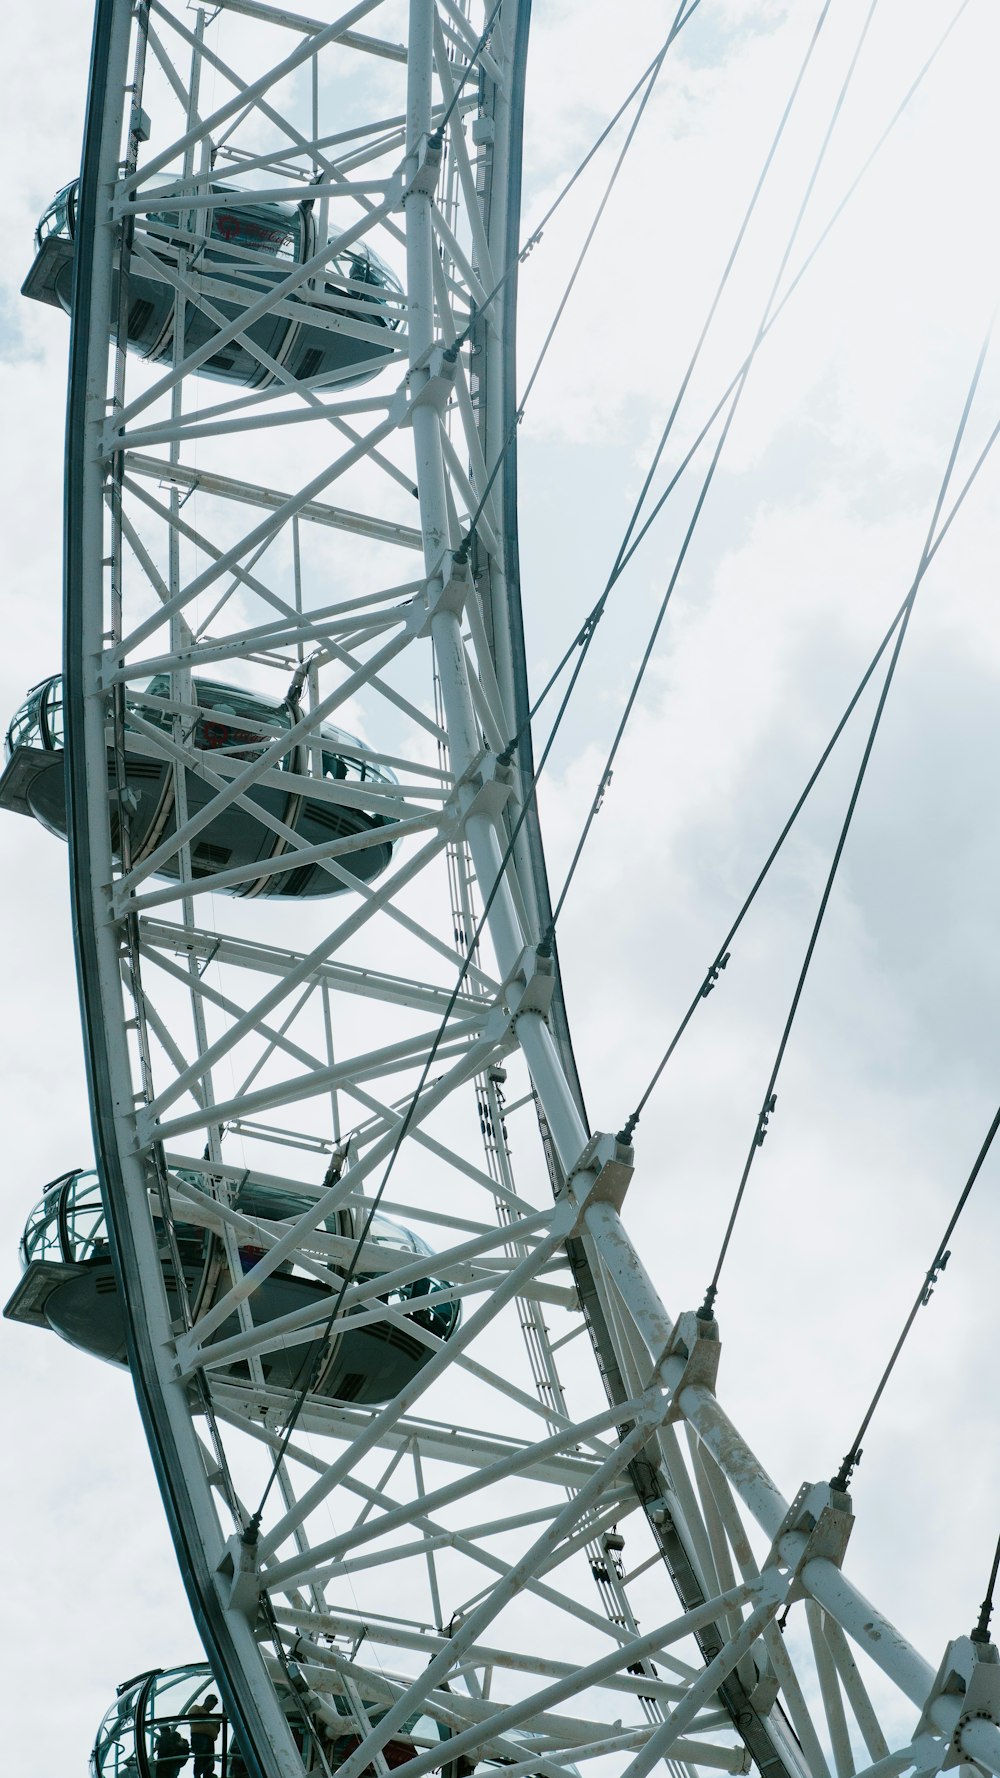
x=237, y=725
x=162, y=1721
x=68, y=1284
x=334, y=326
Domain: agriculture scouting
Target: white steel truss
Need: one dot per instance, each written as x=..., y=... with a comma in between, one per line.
x=336, y=536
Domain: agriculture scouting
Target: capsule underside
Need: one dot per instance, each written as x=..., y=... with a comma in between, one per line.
x=68, y=1285
x=325, y=330
x=33, y=783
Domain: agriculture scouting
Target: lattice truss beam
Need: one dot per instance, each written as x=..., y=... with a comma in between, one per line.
x=544, y=1538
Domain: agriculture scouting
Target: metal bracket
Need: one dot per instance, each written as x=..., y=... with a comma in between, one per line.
x=969, y=1674
x=448, y=589
x=537, y=974
x=696, y=1343
x=484, y=788
x=821, y=1521
x=430, y=154
x=431, y=381
x=239, y=1581
x=602, y=1174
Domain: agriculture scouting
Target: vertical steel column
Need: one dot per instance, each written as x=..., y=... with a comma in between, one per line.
x=509, y=940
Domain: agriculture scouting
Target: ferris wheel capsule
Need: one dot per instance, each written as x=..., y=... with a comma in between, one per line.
x=328, y=787
x=68, y=1284
x=340, y=326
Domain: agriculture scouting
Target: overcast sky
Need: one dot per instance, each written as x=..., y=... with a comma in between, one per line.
x=808, y=543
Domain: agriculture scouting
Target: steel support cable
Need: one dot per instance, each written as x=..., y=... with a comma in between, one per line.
x=596, y=611
x=924, y=562
x=451, y=353
x=582, y=638
x=794, y=284
x=841, y=1480
x=532, y=240
x=720, y=959
x=723, y=282
x=981, y=1633
x=709, y=477
x=437, y=138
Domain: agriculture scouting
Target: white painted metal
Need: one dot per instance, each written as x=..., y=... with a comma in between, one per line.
x=436, y=1550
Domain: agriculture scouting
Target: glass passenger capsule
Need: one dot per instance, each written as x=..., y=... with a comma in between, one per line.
x=237, y=724
x=341, y=318
x=68, y=1284
x=164, y=1724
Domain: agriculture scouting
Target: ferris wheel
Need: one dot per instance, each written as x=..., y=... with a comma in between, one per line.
x=449, y=1485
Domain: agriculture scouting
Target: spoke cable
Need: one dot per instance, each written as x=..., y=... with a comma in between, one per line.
x=605, y=777
x=981, y=1633
x=768, y=1103
x=841, y=1481
x=721, y=956
x=793, y=286
x=436, y=139
x=452, y=351
x=597, y=610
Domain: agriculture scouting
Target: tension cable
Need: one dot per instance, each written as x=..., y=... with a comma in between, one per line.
x=841, y=1480
x=926, y=556
x=721, y=958
x=981, y=1633
x=605, y=777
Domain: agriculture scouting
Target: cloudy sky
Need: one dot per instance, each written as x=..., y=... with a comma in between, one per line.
x=808, y=543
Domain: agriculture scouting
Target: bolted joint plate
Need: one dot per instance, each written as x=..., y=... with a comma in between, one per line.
x=420, y=179
x=493, y=786
x=818, y=1523
x=532, y=984
x=447, y=590
x=430, y=382
x=694, y=1345
x=968, y=1679
x=602, y=1174
x=238, y=1579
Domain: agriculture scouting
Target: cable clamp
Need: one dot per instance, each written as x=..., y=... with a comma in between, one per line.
x=691, y=1355
x=431, y=380
x=966, y=1691
x=602, y=1174
x=932, y=1277
x=421, y=173
x=712, y=977
x=817, y=1525
x=239, y=1581
x=762, y=1121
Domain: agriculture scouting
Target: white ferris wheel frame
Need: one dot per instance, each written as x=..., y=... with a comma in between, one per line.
x=732, y=1552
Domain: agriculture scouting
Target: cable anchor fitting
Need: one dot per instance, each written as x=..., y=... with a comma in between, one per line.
x=713, y=974
x=628, y=1129
x=932, y=1277
x=762, y=1121
x=841, y=1482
